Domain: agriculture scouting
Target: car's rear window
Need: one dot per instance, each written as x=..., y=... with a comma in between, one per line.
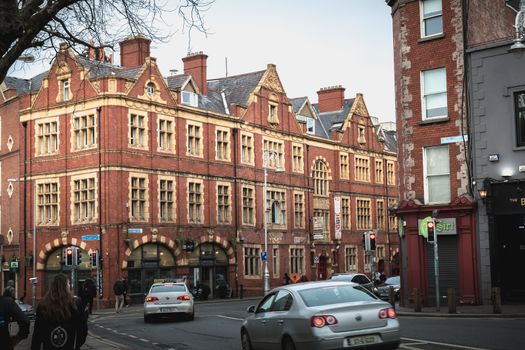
x=321, y=296
x=392, y=280
x=347, y=278
x=168, y=288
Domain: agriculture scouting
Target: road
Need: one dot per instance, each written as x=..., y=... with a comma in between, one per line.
x=216, y=326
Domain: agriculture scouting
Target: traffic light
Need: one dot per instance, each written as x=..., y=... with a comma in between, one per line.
x=78, y=254
x=93, y=257
x=430, y=230
x=69, y=256
x=372, y=238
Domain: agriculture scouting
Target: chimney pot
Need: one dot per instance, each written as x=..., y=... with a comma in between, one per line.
x=195, y=64
x=331, y=98
x=134, y=51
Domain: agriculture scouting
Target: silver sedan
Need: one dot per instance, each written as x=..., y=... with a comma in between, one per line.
x=320, y=315
x=168, y=299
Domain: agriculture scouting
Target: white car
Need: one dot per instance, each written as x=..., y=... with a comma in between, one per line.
x=168, y=299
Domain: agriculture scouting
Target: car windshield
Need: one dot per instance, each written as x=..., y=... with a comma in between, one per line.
x=392, y=280
x=165, y=288
x=321, y=296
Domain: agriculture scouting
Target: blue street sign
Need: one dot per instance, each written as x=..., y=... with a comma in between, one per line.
x=264, y=256
x=134, y=230
x=91, y=237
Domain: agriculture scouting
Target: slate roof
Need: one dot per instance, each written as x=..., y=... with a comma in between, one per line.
x=332, y=120
x=236, y=88
x=23, y=86
x=99, y=69
x=390, y=140
x=175, y=82
x=297, y=103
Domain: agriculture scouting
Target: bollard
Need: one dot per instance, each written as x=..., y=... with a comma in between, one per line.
x=496, y=300
x=241, y=293
x=451, y=297
x=392, y=297
x=417, y=300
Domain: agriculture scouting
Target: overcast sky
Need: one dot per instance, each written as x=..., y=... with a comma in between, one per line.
x=313, y=43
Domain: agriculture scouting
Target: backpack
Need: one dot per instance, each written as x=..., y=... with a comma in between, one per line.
x=118, y=288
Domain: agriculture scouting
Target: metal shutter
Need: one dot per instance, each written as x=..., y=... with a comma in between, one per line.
x=448, y=269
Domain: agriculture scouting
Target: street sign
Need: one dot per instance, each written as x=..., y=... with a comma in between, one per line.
x=318, y=236
x=91, y=237
x=135, y=230
x=13, y=267
x=316, y=259
x=264, y=256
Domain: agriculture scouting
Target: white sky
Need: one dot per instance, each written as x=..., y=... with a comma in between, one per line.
x=314, y=43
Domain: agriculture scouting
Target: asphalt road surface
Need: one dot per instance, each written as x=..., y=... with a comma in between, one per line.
x=217, y=325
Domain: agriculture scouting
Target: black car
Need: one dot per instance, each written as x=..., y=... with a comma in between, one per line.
x=383, y=289
x=26, y=308
x=358, y=278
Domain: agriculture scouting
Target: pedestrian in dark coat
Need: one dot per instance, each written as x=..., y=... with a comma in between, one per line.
x=60, y=321
x=9, y=310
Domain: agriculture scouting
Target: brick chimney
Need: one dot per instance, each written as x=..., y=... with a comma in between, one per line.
x=134, y=51
x=195, y=64
x=331, y=98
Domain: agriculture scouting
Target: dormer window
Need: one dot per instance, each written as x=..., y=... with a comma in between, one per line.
x=190, y=98
x=65, y=89
x=272, y=114
x=150, y=89
x=310, y=124
x=361, y=135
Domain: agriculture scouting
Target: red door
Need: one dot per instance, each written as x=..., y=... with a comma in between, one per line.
x=321, y=269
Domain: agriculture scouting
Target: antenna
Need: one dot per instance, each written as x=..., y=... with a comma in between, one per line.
x=226, y=65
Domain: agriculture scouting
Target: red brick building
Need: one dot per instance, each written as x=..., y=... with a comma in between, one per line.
x=169, y=174
x=434, y=170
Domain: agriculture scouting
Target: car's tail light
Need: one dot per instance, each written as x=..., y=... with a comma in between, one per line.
x=150, y=299
x=323, y=320
x=184, y=297
x=387, y=313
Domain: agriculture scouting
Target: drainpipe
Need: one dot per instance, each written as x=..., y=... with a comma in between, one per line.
x=24, y=124
x=100, y=253
x=236, y=199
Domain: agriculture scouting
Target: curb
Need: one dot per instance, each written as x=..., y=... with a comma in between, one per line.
x=458, y=315
x=107, y=342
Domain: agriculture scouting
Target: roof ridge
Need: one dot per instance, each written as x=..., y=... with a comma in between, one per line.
x=237, y=75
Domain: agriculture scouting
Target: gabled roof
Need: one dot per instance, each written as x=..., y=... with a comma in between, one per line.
x=390, y=140
x=176, y=82
x=334, y=120
x=237, y=89
x=24, y=86
x=298, y=103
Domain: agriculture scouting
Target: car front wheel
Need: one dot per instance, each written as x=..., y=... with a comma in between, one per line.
x=245, y=340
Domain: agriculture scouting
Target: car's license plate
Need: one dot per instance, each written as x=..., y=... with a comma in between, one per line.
x=168, y=309
x=362, y=340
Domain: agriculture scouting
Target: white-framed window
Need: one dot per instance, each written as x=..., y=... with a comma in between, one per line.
x=195, y=207
x=392, y=218
x=361, y=135
x=273, y=117
x=298, y=210
x=276, y=207
x=248, y=205
x=223, y=204
x=437, y=174
x=138, y=198
x=391, y=173
x=166, y=200
x=297, y=260
x=434, y=93
x=519, y=102
x=380, y=214
x=343, y=166
x=222, y=144
x=431, y=18
x=276, y=148
x=137, y=130
x=363, y=217
x=194, y=139
x=275, y=257
x=84, y=199
x=48, y=203
x=65, y=89
x=345, y=213
x=84, y=131
x=252, y=261
x=320, y=177
x=297, y=158
x=150, y=89
x=166, y=134
x=310, y=123
x=190, y=98
x=247, y=155
x=47, y=137
x=351, y=259
x=379, y=171
x=323, y=216
x=362, y=169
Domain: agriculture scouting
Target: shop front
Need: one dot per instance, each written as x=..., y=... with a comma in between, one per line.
x=56, y=263
x=208, y=265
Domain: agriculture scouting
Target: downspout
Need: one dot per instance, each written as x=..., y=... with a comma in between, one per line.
x=307, y=200
x=24, y=124
x=236, y=206
x=100, y=254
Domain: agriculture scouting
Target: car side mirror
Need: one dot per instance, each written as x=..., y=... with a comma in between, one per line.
x=250, y=309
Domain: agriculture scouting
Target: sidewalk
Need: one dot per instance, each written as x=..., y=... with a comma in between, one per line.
x=507, y=311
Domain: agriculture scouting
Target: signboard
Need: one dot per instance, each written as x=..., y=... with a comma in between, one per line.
x=454, y=139
x=318, y=223
x=316, y=259
x=264, y=256
x=91, y=237
x=445, y=226
x=13, y=267
x=506, y=198
x=295, y=277
x=135, y=230
x=299, y=240
x=318, y=236
x=337, y=210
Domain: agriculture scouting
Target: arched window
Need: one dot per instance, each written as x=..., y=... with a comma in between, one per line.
x=320, y=176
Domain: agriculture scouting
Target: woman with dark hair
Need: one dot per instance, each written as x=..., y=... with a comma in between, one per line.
x=60, y=320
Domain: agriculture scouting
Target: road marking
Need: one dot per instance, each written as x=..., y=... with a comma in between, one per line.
x=132, y=336
x=144, y=340
x=230, y=318
x=444, y=344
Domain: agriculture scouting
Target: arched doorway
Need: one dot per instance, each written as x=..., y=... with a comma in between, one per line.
x=146, y=264
x=55, y=264
x=322, y=269
x=208, y=264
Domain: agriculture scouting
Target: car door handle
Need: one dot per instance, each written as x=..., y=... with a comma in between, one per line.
x=280, y=322
x=263, y=321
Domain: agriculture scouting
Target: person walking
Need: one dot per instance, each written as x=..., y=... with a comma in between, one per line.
x=127, y=302
x=87, y=294
x=9, y=290
x=9, y=310
x=286, y=279
x=118, y=289
x=60, y=321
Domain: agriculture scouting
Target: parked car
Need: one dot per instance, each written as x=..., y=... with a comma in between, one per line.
x=390, y=282
x=358, y=278
x=320, y=315
x=26, y=309
x=168, y=299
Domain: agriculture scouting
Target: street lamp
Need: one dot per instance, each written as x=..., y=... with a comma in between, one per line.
x=519, y=41
x=274, y=156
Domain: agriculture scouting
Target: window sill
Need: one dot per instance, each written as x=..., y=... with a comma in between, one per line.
x=431, y=38
x=434, y=120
